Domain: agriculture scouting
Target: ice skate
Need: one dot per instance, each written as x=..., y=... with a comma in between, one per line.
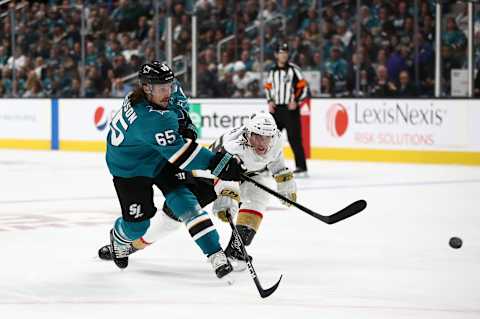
x=300, y=173
x=105, y=253
x=221, y=266
x=119, y=252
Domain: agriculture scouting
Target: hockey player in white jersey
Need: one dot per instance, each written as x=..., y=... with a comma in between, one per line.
x=259, y=145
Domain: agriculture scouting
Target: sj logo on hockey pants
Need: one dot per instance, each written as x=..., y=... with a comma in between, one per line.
x=135, y=210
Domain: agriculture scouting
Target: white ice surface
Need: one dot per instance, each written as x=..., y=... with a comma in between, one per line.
x=390, y=261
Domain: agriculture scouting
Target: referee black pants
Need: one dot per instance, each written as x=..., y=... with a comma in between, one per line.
x=290, y=120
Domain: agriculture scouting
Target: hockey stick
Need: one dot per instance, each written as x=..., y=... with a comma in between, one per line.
x=239, y=245
x=350, y=210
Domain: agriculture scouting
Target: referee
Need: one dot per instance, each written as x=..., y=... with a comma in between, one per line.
x=285, y=89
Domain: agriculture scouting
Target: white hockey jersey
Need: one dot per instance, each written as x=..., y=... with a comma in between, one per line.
x=235, y=142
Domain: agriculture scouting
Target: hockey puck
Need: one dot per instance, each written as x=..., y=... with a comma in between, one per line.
x=455, y=242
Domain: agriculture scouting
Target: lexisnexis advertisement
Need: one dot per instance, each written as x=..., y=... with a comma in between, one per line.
x=392, y=124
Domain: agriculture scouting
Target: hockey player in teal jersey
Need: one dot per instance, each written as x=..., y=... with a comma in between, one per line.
x=145, y=148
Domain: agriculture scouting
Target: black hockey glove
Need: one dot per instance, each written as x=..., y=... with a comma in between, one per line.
x=186, y=128
x=226, y=167
x=184, y=177
x=188, y=132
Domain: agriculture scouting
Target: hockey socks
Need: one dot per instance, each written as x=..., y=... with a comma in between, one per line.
x=204, y=233
x=248, y=222
x=128, y=231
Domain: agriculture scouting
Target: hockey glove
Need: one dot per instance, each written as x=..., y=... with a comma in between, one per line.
x=186, y=128
x=226, y=166
x=286, y=185
x=228, y=199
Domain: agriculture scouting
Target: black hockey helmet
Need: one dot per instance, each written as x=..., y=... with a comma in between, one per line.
x=282, y=47
x=155, y=73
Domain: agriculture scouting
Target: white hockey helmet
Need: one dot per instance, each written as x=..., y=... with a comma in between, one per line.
x=262, y=123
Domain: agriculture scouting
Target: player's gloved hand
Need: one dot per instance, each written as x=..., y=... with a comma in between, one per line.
x=228, y=199
x=226, y=166
x=186, y=128
x=188, y=132
x=286, y=185
x=184, y=177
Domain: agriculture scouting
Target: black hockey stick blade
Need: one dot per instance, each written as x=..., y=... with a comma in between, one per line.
x=264, y=293
x=238, y=243
x=350, y=210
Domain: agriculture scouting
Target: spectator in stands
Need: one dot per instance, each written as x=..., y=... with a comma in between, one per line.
x=119, y=88
x=327, y=86
x=344, y=33
x=207, y=80
x=368, y=22
x=428, y=28
x=241, y=79
x=33, y=86
x=226, y=88
x=141, y=31
x=381, y=59
x=401, y=15
x=126, y=14
x=245, y=57
x=20, y=60
x=406, y=34
x=397, y=62
x=317, y=61
x=337, y=68
x=383, y=87
x=270, y=10
x=3, y=57
x=455, y=39
x=406, y=88
x=90, y=89
x=2, y=89
x=461, y=20
x=73, y=90
x=225, y=66
x=426, y=64
x=476, y=89
x=253, y=89
x=449, y=62
x=384, y=25
x=366, y=77
x=312, y=35
x=120, y=67
x=303, y=61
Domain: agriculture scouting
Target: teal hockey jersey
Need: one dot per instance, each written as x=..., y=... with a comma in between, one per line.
x=142, y=139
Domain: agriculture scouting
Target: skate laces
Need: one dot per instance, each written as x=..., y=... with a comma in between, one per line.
x=218, y=259
x=120, y=250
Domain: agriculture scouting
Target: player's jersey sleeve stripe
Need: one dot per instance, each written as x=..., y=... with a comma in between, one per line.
x=183, y=153
x=190, y=158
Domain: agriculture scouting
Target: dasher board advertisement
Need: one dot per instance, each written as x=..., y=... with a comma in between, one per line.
x=391, y=124
x=86, y=119
x=25, y=121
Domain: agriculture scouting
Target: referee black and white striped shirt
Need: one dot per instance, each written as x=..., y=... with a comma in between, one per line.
x=285, y=84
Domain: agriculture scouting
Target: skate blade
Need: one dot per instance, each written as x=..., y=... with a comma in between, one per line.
x=228, y=279
x=301, y=175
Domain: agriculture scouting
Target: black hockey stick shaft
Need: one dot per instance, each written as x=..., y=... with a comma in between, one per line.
x=238, y=243
x=352, y=209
